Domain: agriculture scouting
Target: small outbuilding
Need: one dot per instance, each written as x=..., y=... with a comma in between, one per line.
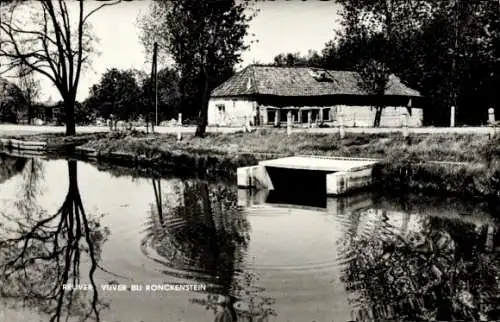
x=264, y=95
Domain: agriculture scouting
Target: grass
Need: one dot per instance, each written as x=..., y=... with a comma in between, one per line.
x=405, y=161
x=439, y=147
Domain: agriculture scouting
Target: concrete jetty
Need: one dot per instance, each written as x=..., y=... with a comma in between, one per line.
x=339, y=175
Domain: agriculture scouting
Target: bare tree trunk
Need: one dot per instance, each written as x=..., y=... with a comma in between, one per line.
x=30, y=112
x=378, y=116
x=203, y=116
x=69, y=106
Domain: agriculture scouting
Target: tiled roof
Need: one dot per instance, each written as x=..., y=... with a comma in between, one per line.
x=299, y=81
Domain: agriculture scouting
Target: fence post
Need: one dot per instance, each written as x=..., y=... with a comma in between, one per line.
x=452, y=116
x=492, y=122
x=341, y=126
x=289, y=123
x=491, y=115
x=179, y=124
x=404, y=123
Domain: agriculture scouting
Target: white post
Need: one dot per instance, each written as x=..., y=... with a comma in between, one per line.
x=309, y=118
x=289, y=123
x=179, y=124
x=491, y=115
x=452, y=116
x=341, y=125
x=404, y=124
x=277, y=117
x=491, y=121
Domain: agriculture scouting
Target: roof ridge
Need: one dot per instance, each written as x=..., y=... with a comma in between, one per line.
x=300, y=67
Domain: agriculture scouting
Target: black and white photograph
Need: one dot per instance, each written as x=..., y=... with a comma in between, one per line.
x=249, y=161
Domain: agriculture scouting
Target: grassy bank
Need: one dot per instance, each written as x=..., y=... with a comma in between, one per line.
x=56, y=137
x=405, y=161
x=49, y=142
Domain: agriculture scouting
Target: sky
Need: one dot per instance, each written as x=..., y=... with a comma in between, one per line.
x=280, y=26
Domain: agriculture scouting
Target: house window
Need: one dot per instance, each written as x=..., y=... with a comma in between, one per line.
x=271, y=115
x=326, y=114
x=221, y=108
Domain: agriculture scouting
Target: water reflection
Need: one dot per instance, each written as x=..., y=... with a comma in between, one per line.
x=10, y=166
x=201, y=231
x=399, y=266
x=412, y=257
x=42, y=253
x=263, y=257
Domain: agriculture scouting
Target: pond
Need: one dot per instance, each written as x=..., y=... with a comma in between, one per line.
x=93, y=244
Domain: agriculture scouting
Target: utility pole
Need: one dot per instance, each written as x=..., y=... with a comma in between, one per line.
x=155, y=66
x=154, y=88
x=454, y=68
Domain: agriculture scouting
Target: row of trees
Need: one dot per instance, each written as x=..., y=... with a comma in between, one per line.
x=126, y=94
x=448, y=50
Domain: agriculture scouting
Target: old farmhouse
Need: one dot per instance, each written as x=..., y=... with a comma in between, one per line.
x=263, y=95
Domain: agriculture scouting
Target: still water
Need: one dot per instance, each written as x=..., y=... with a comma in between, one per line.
x=184, y=249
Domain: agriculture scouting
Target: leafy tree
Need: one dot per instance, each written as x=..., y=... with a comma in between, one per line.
x=312, y=59
x=374, y=79
x=116, y=93
x=448, y=50
x=84, y=115
x=169, y=95
x=12, y=102
x=461, y=57
x=205, y=41
x=374, y=65
x=47, y=39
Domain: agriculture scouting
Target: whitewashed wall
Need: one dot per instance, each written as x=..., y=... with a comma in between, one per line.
x=236, y=109
x=364, y=116
x=360, y=116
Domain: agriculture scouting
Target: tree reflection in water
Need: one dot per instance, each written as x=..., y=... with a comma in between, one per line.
x=441, y=271
x=10, y=166
x=204, y=234
x=30, y=189
x=41, y=253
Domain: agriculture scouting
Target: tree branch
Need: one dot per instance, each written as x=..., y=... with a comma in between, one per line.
x=97, y=9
